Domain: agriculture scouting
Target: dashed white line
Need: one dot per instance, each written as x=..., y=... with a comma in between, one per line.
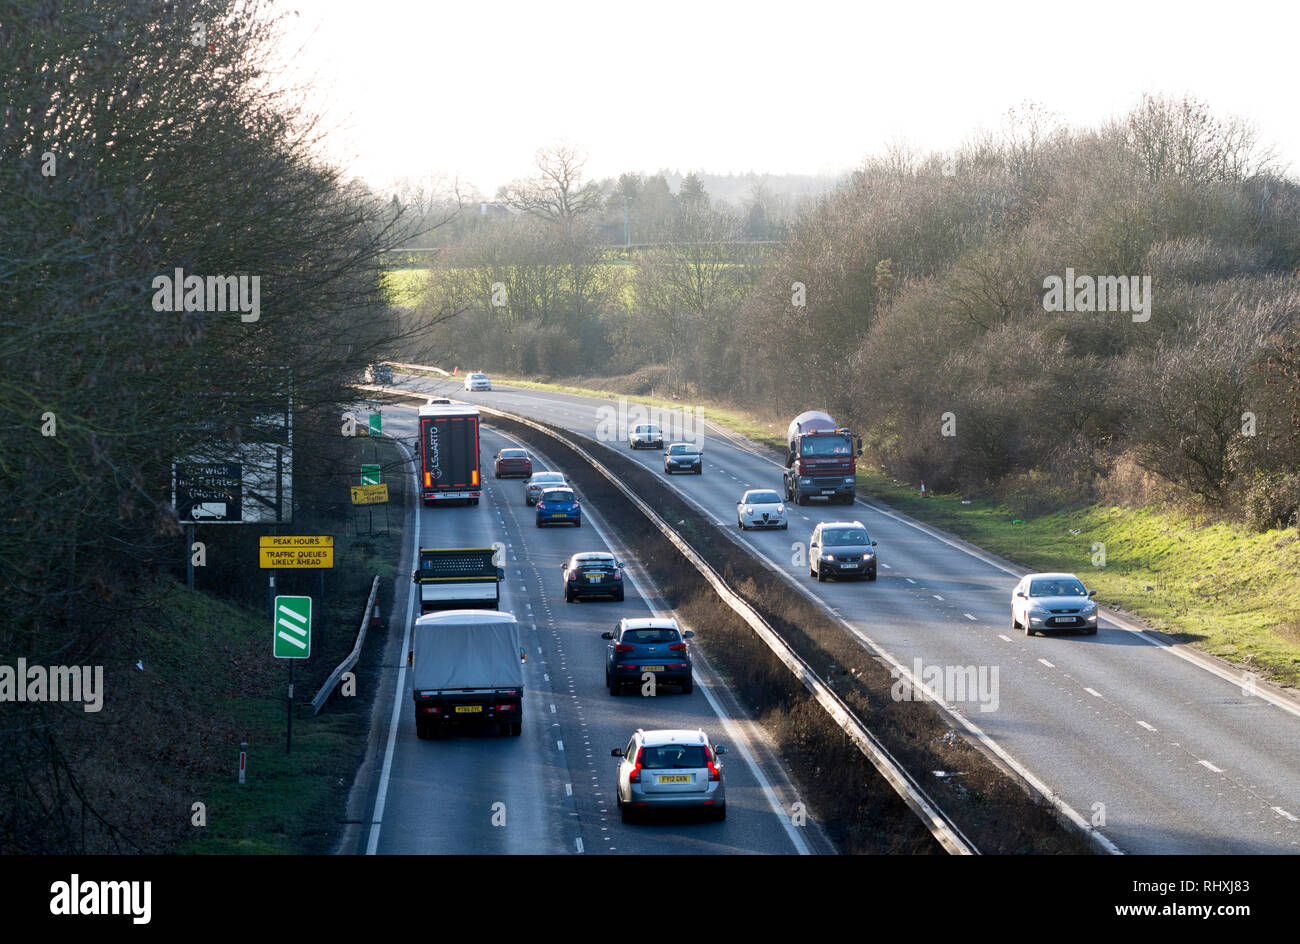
x=1281, y=812
x=568, y=789
x=971, y=618
x=1147, y=726
x=1208, y=765
x=1046, y=663
x=559, y=745
x=1006, y=638
x=936, y=596
x=909, y=580
x=1093, y=692
x=578, y=843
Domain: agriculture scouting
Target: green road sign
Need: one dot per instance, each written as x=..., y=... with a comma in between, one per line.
x=370, y=475
x=376, y=424
x=292, y=627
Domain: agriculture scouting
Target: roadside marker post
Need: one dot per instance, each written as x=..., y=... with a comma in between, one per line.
x=292, y=640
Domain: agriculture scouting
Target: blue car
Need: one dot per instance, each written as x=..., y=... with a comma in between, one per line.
x=559, y=506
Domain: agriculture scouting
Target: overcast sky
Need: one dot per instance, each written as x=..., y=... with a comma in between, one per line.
x=471, y=89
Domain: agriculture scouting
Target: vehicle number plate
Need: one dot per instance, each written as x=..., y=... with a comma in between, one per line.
x=468, y=709
x=652, y=668
x=674, y=778
x=594, y=578
x=848, y=566
x=558, y=514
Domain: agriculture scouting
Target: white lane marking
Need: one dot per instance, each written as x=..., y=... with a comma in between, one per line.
x=1147, y=726
x=909, y=580
x=1007, y=638
x=971, y=618
x=552, y=709
x=793, y=833
x=1207, y=764
x=886, y=566
x=1093, y=692
x=377, y=819
x=936, y=596
x=1046, y=663
x=577, y=842
x=559, y=745
x=1281, y=812
x=568, y=789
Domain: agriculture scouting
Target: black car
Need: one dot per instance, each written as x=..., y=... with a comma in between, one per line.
x=841, y=549
x=592, y=573
x=652, y=645
x=684, y=457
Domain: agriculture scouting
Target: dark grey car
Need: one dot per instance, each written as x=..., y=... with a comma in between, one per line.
x=683, y=457
x=841, y=549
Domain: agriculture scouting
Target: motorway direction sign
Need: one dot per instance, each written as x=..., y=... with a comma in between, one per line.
x=376, y=424
x=369, y=494
x=370, y=475
x=296, y=552
x=208, y=492
x=292, y=627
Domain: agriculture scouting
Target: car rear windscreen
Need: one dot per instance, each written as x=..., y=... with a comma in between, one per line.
x=673, y=757
x=642, y=637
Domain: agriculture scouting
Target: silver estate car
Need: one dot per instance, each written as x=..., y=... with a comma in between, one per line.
x=670, y=769
x=760, y=508
x=1044, y=602
x=540, y=480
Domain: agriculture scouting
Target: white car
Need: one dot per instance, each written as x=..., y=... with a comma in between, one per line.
x=1045, y=602
x=477, y=381
x=761, y=508
x=645, y=436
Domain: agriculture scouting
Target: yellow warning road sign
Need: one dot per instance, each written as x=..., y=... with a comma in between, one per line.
x=369, y=494
x=296, y=551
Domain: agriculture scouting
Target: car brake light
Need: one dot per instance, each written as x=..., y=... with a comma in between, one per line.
x=635, y=775
x=714, y=775
x=624, y=647
x=678, y=647
x=617, y=573
x=503, y=707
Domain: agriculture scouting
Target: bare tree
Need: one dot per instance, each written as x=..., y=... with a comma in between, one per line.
x=557, y=193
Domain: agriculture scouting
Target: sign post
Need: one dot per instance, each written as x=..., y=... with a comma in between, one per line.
x=292, y=641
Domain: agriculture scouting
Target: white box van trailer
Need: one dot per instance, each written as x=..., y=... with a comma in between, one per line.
x=467, y=668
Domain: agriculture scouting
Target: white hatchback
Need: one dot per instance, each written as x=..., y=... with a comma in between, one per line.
x=477, y=381
x=760, y=508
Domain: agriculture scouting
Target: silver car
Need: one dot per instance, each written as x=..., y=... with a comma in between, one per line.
x=645, y=436
x=540, y=480
x=477, y=381
x=760, y=508
x=670, y=769
x=1045, y=602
